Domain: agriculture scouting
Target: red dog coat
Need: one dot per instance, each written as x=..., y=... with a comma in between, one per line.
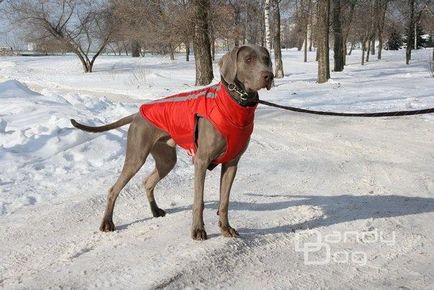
x=177, y=115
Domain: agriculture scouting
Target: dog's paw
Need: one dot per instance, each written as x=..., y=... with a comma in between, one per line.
x=229, y=232
x=107, y=226
x=157, y=212
x=198, y=234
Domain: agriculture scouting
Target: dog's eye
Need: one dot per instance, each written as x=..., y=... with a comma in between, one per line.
x=249, y=59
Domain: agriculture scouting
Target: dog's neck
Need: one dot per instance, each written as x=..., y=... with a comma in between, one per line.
x=239, y=94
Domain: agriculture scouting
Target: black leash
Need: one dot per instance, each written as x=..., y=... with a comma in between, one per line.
x=246, y=100
x=379, y=114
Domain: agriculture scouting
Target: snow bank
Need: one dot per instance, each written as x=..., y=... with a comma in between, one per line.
x=35, y=134
x=14, y=89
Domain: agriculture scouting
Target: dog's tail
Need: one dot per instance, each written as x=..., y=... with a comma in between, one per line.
x=117, y=124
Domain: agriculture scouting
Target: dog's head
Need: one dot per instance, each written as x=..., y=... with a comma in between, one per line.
x=249, y=65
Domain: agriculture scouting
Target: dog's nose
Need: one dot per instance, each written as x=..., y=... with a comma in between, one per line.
x=268, y=76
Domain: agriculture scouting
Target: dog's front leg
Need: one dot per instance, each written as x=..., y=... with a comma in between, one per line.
x=227, y=177
x=198, y=229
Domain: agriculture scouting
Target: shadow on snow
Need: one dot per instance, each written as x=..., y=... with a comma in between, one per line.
x=336, y=209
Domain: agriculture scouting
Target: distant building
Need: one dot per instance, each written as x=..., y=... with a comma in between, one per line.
x=31, y=46
x=425, y=37
x=6, y=51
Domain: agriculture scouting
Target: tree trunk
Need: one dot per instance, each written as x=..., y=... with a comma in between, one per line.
x=201, y=43
x=85, y=66
x=347, y=32
x=323, y=41
x=212, y=41
x=83, y=59
x=172, y=52
x=236, y=24
x=415, y=35
x=187, y=50
x=368, y=48
x=337, y=32
x=306, y=33
x=410, y=32
x=300, y=42
x=373, y=46
x=278, y=73
x=125, y=48
x=351, y=48
x=99, y=51
x=345, y=53
x=380, y=43
x=213, y=49
x=316, y=30
x=373, y=19
x=310, y=38
x=267, y=25
x=380, y=28
x=251, y=26
x=135, y=48
x=310, y=25
x=90, y=67
x=363, y=51
x=111, y=48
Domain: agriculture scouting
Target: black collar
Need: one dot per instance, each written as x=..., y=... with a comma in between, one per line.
x=245, y=99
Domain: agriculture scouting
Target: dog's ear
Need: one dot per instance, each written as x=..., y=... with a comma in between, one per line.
x=228, y=65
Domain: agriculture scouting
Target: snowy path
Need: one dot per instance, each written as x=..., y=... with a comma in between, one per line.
x=302, y=175
x=363, y=184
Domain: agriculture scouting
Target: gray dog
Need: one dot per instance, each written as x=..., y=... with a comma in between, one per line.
x=214, y=124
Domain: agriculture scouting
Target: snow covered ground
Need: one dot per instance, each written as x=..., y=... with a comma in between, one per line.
x=320, y=202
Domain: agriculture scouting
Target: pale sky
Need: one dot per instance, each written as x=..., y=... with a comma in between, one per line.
x=9, y=36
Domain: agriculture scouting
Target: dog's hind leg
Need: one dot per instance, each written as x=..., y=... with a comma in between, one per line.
x=138, y=148
x=165, y=160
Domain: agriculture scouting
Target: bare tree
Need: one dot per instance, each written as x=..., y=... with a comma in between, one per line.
x=371, y=20
x=362, y=26
x=338, y=37
x=135, y=48
x=161, y=26
x=411, y=26
x=254, y=29
x=427, y=21
x=201, y=43
x=80, y=26
x=380, y=24
x=223, y=23
x=236, y=8
x=347, y=23
x=300, y=22
x=131, y=17
x=267, y=25
x=323, y=41
x=276, y=40
x=308, y=30
x=311, y=27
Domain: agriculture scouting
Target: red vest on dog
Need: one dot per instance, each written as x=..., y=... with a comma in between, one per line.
x=177, y=115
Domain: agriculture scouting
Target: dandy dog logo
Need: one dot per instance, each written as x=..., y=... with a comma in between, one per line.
x=318, y=250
